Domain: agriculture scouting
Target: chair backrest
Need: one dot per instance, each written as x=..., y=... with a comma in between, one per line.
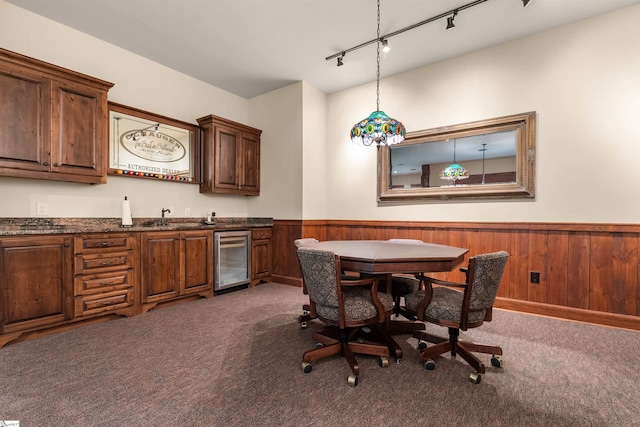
x=304, y=242
x=485, y=274
x=407, y=241
x=320, y=274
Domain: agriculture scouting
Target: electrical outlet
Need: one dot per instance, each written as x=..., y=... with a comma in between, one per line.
x=535, y=277
x=187, y=211
x=42, y=209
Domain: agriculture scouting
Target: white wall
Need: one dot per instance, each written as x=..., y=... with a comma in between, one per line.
x=139, y=83
x=314, y=172
x=280, y=116
x=581, y=79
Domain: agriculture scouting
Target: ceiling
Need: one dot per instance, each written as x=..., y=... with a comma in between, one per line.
x=251, y=47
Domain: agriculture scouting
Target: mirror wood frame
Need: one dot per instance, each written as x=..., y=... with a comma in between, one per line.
x=525, y=126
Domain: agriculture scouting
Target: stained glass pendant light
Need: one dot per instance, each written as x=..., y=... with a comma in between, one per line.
x=454, y=172
x=378, y=128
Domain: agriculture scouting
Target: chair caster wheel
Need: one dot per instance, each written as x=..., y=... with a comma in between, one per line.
x=422, y=345
x=352, y=380
x=429, y=365
x=475, y=378
x=319, y=345
x=306, y=367
x=305, y=312
x=497, y=361
x=383, y=362
x=303, y=325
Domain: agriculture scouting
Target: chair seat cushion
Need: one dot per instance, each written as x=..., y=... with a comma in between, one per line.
x=357, y=305
x=446, y=305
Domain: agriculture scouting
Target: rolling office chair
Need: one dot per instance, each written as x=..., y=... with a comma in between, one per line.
x=305, y=317
x=459, y=306
x=353, y=311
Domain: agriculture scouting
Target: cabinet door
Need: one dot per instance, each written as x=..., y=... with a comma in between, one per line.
x=35, y=282
x=24, y=122
x=260, y=259
x=198, y=262
x=79, y=134
x=160, y=266
x=250, y=168
x=227, y=160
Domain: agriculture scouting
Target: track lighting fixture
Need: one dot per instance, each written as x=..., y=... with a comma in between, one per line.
x=450, y=19
x=385, y=46
x=340, y=63
x=384, y=38
x=525, y=3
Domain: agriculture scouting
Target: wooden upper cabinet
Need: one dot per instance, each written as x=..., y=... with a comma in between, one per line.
x=53, y=122
x=230, y=157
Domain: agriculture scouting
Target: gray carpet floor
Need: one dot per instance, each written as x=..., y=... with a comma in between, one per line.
x=235, y=360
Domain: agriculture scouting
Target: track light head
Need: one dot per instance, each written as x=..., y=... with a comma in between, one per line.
x=340, y=63
x=450, y=19
x=385, y=46
x=526, y=3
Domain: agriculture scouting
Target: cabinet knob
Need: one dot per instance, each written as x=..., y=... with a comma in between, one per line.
x=55, y=165
x=45, y=163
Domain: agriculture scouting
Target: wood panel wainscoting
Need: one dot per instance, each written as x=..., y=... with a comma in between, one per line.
x=588, y=272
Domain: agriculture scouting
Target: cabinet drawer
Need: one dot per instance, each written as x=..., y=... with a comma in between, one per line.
x=97, y=283
x=103, y=242
x=94, y=263
x=260, y=233
x=92, y=304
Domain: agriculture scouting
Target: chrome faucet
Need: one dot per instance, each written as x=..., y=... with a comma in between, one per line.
x=163, y=220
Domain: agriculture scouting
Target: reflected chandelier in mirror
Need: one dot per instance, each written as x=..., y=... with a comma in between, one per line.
x=487, y=159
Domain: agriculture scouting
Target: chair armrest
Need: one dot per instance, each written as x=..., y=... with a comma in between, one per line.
x=358, y=282
x=427, y=283
x=373, y=283
x=439, y=282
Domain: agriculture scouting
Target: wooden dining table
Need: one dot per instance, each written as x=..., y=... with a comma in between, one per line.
x=387, y=257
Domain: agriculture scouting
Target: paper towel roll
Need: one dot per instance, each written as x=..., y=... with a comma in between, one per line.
x=126, y=212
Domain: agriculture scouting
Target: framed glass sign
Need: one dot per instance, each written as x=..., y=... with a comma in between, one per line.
x=146, y=145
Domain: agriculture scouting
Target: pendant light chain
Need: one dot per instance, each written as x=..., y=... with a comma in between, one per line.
x=378, y=63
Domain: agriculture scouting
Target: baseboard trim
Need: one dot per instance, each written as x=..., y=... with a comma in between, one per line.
x=285, y=280
x=570, y=313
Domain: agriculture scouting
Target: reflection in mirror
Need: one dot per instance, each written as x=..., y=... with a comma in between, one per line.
x=487, y=159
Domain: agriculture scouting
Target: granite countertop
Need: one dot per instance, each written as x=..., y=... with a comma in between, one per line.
x=38, y=226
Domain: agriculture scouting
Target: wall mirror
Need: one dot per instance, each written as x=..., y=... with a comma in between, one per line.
x=487, y=159
x=147, y=145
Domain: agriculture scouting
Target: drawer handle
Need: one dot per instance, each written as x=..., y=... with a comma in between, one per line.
x=106, y=283
x=106, y=303
x=103, y=244
x=106, y=263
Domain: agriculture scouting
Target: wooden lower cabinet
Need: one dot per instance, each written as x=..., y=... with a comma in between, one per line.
x=175, y=264
x=260, y=255
x=104, y=267
x=35, y=284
